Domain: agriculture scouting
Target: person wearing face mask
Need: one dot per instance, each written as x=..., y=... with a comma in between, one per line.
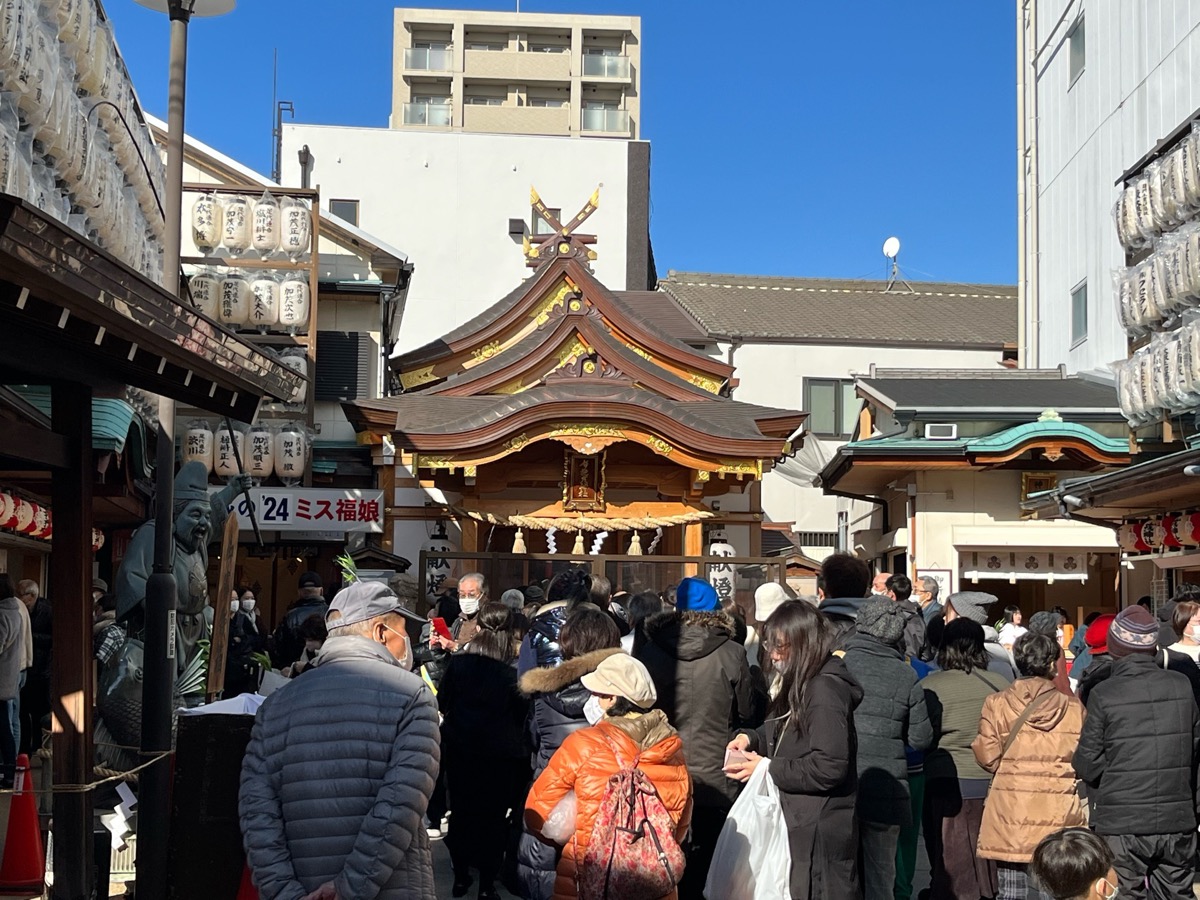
x=472, y=593
x=1074, y=864
x=241, y=669
x=483, y=717
x=314, y=634
x=340, y=765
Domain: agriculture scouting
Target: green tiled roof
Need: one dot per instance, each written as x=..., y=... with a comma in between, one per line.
x=999, y=442
x=111, y=418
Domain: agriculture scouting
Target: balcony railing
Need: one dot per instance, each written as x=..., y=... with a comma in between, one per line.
x=598, y=66
x=427, y=114
x=612, y=120
x=430, y=60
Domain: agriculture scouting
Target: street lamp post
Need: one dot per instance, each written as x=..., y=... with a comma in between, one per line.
x=154, y=808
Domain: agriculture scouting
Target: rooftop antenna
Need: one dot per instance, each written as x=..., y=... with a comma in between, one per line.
x=891, y=249
x=280, y=107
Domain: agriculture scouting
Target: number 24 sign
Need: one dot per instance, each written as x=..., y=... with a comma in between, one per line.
x=307, y=509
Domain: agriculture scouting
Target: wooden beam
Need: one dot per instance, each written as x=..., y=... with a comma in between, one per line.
x=756, y=527
x=36, y=445
x=693, y=545
x=71, y=681
x=387, y=483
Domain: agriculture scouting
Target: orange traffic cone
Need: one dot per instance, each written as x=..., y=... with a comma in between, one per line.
x=247, y=890
x=23, y=869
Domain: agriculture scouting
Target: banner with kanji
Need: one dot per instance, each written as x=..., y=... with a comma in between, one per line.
x=311, y=509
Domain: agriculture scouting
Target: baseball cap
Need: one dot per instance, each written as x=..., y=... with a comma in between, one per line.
x=365, y=600
x=99, y=584
x=310, y=579
x=620, y=675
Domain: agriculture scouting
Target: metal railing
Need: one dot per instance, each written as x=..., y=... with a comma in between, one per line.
x=612, y=120
x=429, y=59
x=599, y=66
x=427, y=114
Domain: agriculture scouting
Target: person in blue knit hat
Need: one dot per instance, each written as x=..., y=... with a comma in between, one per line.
x=704, y=686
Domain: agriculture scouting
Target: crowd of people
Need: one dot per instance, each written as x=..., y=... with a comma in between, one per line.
x=1034, y=760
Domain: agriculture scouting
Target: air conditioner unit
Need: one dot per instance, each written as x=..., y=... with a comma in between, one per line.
x=941, y=431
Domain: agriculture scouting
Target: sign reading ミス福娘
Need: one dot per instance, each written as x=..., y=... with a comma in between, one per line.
x=311, y=509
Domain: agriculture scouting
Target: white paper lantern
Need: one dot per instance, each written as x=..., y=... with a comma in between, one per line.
x=261, y=456
x=238, y=225
x=721, y=576
x=266, y=225
x=291, y=453
x=208, y=222
x=438, y=570
x=297, y=361
x=264, y=305
x=293, y=304
x=235, y=301
x=224, y=462
x=198, y=444
x=296, y=232
x=206, y=293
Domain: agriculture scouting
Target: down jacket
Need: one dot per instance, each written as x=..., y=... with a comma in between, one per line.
x=557, y=710
x=585, y=762
x=337, y=777
x=1138, y=750
x=891, y=715
x=704, y=687
x=1033, y=791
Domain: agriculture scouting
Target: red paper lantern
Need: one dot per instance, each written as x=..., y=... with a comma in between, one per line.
x=26, y=514
x=8, y=510
x=97, y=539
x=1170, y=540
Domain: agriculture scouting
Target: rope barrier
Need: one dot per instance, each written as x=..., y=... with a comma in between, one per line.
x=159, y=756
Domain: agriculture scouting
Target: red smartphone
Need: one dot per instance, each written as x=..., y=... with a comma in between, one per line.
x=439, y=625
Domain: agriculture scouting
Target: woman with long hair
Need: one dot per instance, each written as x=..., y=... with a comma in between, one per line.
x=810, y=740
x=1011, y=627
x=482, y=748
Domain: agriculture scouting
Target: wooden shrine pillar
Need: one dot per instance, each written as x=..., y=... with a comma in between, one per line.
x=693, y=545
x=70, y=590
x=387, y=484
x=470, y=534
x=756, y=526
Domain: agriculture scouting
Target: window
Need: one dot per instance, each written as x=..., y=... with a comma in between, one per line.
x=541, y=226
x=832, y=407
x=1077, y=39
x=542, y=47
x=547, y=102
x=481, y=45
x=1079, y=314
x=345, y=209
x=484, y=101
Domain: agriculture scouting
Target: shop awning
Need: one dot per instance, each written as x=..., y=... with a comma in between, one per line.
x=1158, y=485
x=1009, y=564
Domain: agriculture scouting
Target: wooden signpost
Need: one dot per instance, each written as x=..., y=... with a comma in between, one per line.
x=220, y=630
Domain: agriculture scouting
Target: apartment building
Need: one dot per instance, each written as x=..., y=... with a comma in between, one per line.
x=517, y=73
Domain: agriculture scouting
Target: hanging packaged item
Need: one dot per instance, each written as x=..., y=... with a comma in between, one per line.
x=294, y=304
x=296, y=229
x=235, y=301
x=208, y=222
x=238, y=217
x=264, y=307
x=266, y=225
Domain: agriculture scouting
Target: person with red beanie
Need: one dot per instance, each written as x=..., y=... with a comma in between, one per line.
x=1138, y=755
x=1096, y=638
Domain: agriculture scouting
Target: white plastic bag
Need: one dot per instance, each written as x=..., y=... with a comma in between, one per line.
x=752, y=860
x=560, y=824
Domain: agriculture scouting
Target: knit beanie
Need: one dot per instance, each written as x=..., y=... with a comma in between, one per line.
x=1134, y=630
x=972, y=605
x=768, y=597
x=1096, y=636
x=882, y=620
x=1044, y=622
x=696, y=595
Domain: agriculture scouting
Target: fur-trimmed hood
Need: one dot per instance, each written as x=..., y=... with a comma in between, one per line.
x=690, y=635
x=550, y=679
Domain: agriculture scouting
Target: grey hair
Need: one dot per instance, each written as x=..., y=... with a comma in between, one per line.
x=28, y=585
x=931, y=585
x=358, y=629
x=477, y=577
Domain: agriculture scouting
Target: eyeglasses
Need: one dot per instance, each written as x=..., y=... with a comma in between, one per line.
x=776, y=648
x=468, y=596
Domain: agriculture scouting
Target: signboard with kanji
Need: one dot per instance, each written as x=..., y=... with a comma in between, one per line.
x=311, y=509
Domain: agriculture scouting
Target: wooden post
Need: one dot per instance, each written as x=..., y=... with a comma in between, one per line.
x=70, y=591
x=218, y=652
x=387, y=484
x=693, y=545
x=470, y=534
x=756, y=528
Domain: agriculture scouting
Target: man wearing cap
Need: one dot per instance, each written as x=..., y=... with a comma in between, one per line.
x=1138, y=754
x=286, y=643
x=705, y=688
x=341, y=763
x=198, y=516
x=974, y=605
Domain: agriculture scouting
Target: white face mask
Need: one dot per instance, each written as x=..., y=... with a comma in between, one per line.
x=469, y=606
x=1193, y=631
x=1111, y=896
x=592, y=710
x=234, y=605
x=248, y=604
x=405, y=661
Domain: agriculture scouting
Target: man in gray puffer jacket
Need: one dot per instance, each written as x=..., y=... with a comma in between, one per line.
x=341, y=764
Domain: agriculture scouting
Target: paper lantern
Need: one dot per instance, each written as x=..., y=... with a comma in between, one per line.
x=198, y=444
x=1152, y=533
x=721, y=576
x=1187, y=529
x=41, y=523
x=207, y=222
x=8, y=510
x=1169, y=538
x=1130, y=538
x=264, y=303
x=261, y=456
x=291, y=453
x=235, y=301
x=224, y=463
x=438, y=569
x=297, y=360
x=296, y=232
x=27, y=516
x=294, y=304
x=97, y=539
x=266, y=225
x=238, y=225
x=206, y=293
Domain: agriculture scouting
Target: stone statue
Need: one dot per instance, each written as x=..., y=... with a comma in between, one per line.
x=198, y=516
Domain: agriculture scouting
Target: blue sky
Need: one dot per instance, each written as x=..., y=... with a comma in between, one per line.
x=790, y=149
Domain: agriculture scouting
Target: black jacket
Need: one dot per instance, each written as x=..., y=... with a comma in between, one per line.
x=241, y=671
x=1100, y=668
x=483, y=713
x=286, y=643
x=1166, y=631
x=916, y=641
x=1139, y=748
x=892, y=714
x=556, y=709
x=842, y=613
x=704, y=687
x=41, y=626
x=812, y=764
x=540, y=645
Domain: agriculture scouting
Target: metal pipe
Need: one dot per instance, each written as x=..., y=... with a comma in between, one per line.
x=154, y=806
x=1022, y=289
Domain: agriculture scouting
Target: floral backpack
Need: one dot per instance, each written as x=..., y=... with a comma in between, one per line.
x=633, y=854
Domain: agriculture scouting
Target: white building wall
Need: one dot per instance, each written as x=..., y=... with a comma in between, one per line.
x=446, y=200
x=773, y=375
x=1141, y=79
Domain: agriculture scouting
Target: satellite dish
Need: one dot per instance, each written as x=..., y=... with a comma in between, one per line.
x=891, y=247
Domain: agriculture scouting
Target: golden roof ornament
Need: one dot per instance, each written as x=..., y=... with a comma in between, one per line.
x=561, y=240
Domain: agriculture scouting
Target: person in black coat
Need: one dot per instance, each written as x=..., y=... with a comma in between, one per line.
x=540, y=646
x=558, y=703
x=891, y=715
x=916, y=640
x=704, y=686
x=845, y=579
x=286, y=643
x=1138, y=754
x=483, y=750
x=812, y=744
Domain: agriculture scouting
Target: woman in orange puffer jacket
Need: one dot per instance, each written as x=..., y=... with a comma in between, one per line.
x=622, y=694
